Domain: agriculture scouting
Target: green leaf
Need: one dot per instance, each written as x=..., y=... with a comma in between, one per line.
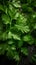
x=16, y=37
x=23, y=28
x=3, y=48
x=29, y=39
x=17, y=5
x=20, y=43
x=16, y=56
x=35, y=26
x=6, y=19
x=1, y=7
x=34, y=59
x=24, y=50
x=3, y=36
x=10, y=42
x=9, y=35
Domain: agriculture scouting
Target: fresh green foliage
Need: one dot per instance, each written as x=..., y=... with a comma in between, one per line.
x=17, y=25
